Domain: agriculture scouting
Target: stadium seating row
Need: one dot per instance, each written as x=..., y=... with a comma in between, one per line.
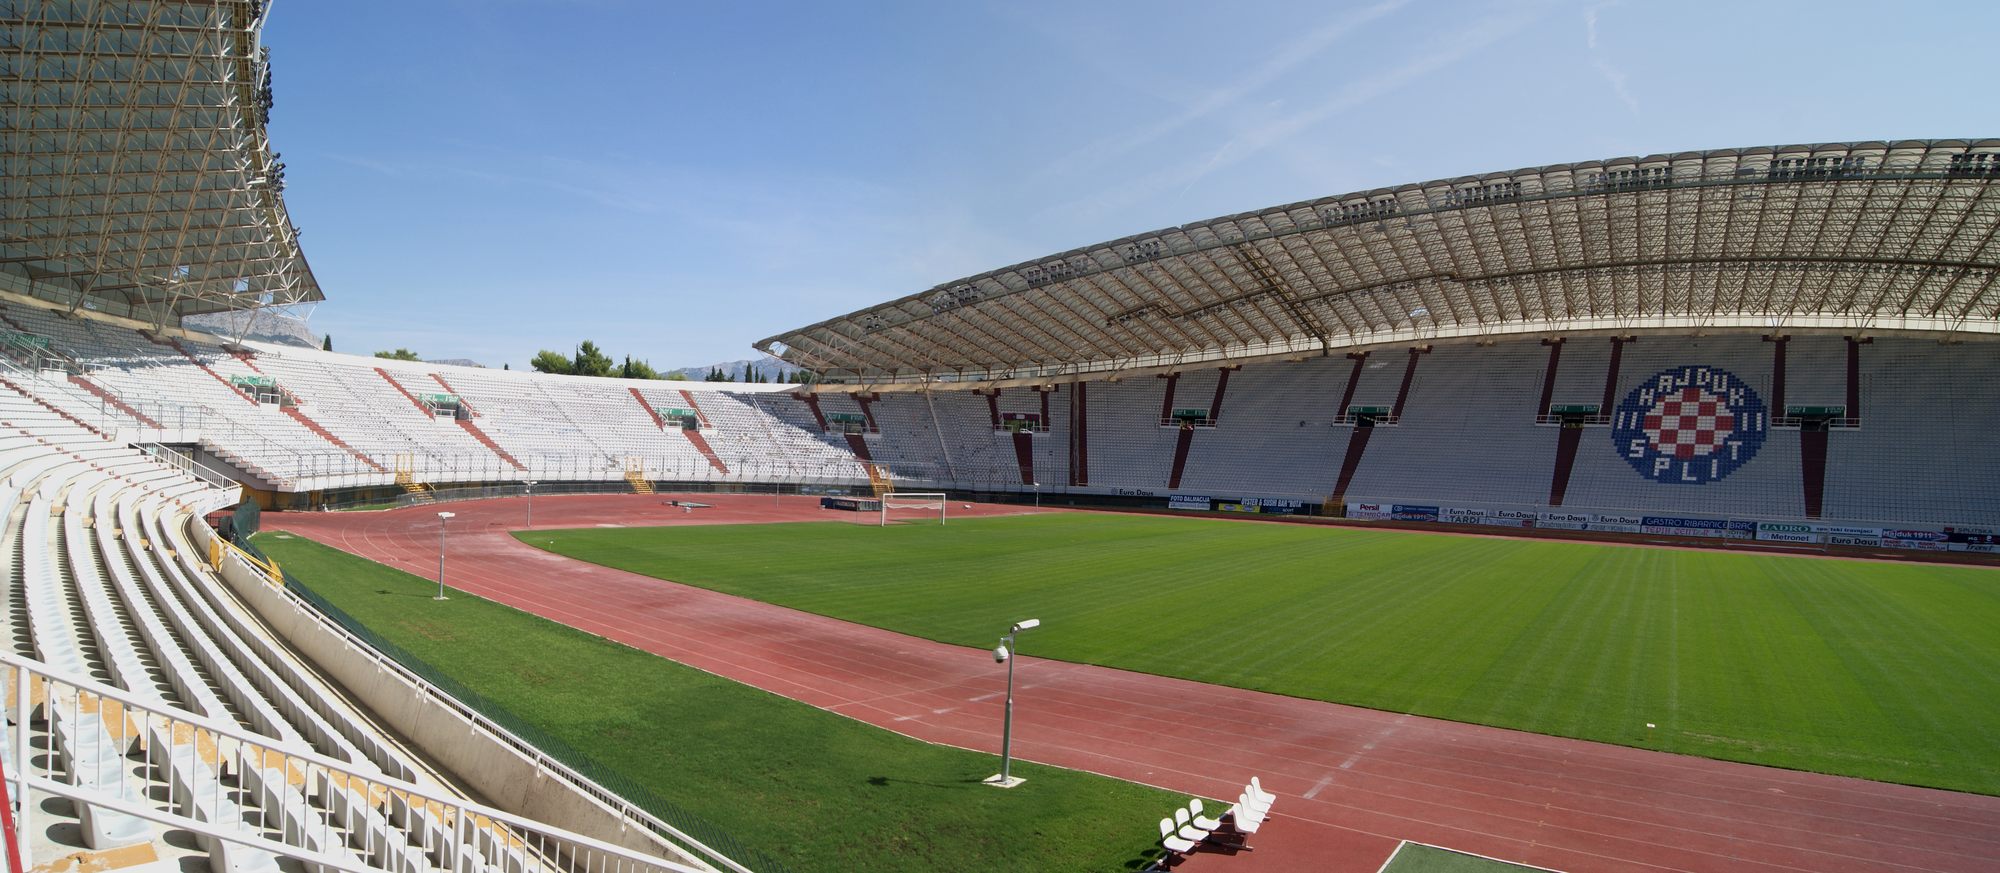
x=134, y=652
x=1450, y=426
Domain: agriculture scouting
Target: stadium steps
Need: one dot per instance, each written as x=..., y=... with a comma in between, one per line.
x=1566, y=443
x=811, y=401
x=701, y=445
x=1356, y=444
x=248, y=358
x=404, y=391
x=860, y=447
x=1024, y=455
x=1079, y=435
x=113, y=399
x=658, y=421
x=698, y=413
x=481, y=436
x=1812, y=469
x=203, y=365
x=462, y=402
x=1182, y=443
x=328, y=435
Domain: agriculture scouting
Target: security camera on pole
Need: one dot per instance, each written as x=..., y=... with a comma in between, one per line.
x=1004, y=654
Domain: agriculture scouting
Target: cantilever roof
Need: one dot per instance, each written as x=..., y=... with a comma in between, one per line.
x=135, y=172
x=1875, y=236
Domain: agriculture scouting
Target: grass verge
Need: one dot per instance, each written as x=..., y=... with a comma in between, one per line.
x=817, y=791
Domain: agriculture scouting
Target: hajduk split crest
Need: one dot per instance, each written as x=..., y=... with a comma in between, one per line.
x=1689, y=425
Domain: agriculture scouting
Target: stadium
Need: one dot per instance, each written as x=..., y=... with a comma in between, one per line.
x=1631, y=514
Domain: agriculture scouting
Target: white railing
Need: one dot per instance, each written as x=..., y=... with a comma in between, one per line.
x=543, y=761
x=250, y=798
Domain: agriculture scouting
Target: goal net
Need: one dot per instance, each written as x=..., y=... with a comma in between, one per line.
x=913, y=505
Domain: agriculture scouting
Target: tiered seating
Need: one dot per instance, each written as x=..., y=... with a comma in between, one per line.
x=1767, y=487
x=1466, y=433
x=771, y=436
x=1276, y=436
x=167, y=386
x=1924, y=450
x=142, y=651
x=1128, y=447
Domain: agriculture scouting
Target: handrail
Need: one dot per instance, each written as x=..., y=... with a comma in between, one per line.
x=382, y=660
x=136, y=719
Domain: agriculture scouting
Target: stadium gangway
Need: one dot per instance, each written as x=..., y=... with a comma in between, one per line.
x=323, y=812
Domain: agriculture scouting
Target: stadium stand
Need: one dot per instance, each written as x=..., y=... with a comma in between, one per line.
x=1462, y=427
x=1640, y=344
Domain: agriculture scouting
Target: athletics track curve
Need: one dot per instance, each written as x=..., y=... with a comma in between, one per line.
x=1352, y=782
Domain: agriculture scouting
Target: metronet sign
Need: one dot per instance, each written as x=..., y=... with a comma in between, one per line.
x=1689, y=425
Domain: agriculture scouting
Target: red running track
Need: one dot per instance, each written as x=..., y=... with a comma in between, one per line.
x=1351, y=782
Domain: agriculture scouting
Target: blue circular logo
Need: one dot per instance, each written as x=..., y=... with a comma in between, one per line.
x=1689, y=425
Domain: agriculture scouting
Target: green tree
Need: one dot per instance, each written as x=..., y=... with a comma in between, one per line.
x=326, y=343
x=590, y=361
x=400, y=354
x=637, y=370
x=546, y=361
x=675, y=377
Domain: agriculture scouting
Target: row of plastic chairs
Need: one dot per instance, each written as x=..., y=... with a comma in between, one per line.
x=1189, y=829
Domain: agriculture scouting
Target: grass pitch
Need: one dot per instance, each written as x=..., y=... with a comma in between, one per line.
x=1879, y=670
x=1419, y=858
x=817, y=791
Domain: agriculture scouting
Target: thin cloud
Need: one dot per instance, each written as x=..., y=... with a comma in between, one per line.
x=1613, y=76
x=1252, y=141
x=1284, y=60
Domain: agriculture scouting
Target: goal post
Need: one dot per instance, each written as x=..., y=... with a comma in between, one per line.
x=925, y=500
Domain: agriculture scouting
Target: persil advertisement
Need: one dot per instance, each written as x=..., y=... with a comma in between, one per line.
x=1368, y=511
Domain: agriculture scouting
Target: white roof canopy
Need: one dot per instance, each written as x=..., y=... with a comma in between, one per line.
x=136, y=175
x=1874, y=236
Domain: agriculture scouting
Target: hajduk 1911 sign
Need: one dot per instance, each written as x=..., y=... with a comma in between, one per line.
x=1689, y=425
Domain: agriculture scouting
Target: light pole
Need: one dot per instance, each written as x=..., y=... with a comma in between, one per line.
x=1004, y=653
x=531, y=503
x=1038, y=495
x=442, y=518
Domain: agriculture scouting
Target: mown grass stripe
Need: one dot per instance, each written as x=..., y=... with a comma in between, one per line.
x=1885, y=671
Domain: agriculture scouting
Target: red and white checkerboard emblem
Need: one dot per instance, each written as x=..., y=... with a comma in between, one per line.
x=1689, y=425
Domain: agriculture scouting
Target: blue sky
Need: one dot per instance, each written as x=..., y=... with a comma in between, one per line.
x=486, y=178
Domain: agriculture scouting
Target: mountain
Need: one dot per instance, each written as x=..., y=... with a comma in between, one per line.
x=771, y=368
x=263, y=325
